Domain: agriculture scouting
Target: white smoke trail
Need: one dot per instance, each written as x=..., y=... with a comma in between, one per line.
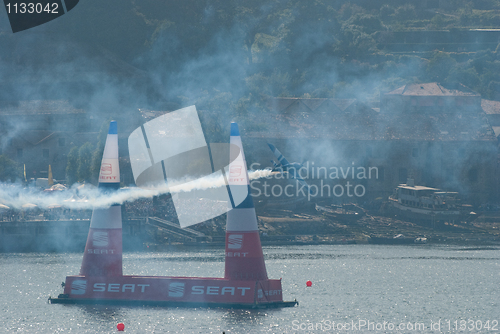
x=17, y=197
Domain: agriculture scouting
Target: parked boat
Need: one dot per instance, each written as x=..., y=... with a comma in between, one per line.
x=425, y=203
x=398, y=239
x=345, y=212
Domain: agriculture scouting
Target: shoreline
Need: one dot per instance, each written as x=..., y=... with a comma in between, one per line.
x=288, y=229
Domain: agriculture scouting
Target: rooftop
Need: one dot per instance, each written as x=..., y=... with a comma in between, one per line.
x=38, y=107
x=432, y=89
x=491, y=107
x=417, y=188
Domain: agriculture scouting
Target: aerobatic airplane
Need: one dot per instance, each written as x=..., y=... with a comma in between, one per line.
x=293, y=169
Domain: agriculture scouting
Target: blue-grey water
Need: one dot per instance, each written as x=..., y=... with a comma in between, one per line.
x=356, y=288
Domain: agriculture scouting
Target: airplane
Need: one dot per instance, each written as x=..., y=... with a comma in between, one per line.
x=293, y=169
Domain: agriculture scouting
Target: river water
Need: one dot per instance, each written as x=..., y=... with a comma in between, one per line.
x=356, y=288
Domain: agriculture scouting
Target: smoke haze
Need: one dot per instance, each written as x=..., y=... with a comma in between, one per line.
x=17, y=197
x=227, y=58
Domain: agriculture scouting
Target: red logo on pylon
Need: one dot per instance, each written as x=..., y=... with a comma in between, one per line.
x=235, y=171
x=234, y=241
x=106, y=169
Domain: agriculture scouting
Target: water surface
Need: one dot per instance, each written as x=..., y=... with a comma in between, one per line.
x=352, y=284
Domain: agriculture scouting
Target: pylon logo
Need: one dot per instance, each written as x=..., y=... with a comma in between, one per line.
x=176, y=289
x=78, y=287
x=100, y=239
x=106, y=169
x=235, y=171
x=172, y=149
x=234, y=241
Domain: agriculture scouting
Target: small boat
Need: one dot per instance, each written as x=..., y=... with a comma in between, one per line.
x=420, y=240
x=345, y=212
x=398, y=239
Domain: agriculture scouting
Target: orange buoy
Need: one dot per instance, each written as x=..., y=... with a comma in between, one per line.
x=120, y=326
x=309, y=284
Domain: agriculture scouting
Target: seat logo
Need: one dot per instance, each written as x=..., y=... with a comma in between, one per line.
x=235, y=171
x=100, y=239
x=176, y=289
x=78, y=287
x=234, y=241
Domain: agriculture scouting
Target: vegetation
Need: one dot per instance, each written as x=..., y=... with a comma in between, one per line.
x=316, y=49
x=9, y=170
x=226, y=55
x=84, y=162
x=281, y=47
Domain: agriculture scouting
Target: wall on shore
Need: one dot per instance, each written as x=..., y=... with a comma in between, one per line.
x=61, y=236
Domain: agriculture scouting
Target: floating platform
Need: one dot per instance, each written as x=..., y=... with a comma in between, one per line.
x=173, y=291
x=73, y=301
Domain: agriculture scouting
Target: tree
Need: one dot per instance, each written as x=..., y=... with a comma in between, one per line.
x=439, y=66
x=9, y=170
x=405, y=13
x=386, y=11
x=465, y=76
x=367, y=22
x=72, y=166
x=85, y=162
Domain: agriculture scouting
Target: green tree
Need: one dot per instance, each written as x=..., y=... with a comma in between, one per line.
x=275, y=84
x=72, y=166
x=347, y=10
x=493, y=91
x=405, y=13
x=367, y=22
x=465, y=76
x=386, y=11
x=437, y=21
x=9, y=169
x=439, y=66
x=85, y=162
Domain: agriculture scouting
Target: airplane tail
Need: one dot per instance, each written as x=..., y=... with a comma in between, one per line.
x=281, y=159
x=291, y=169
x=103, y=251
x=244, y=257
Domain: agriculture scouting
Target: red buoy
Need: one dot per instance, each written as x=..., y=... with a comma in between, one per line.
x=120, y=326
x=309, y=284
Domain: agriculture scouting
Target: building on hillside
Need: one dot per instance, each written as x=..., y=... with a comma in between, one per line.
x=439, y=136
x=39, y=133
x=492, y=110
x=352, y=150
